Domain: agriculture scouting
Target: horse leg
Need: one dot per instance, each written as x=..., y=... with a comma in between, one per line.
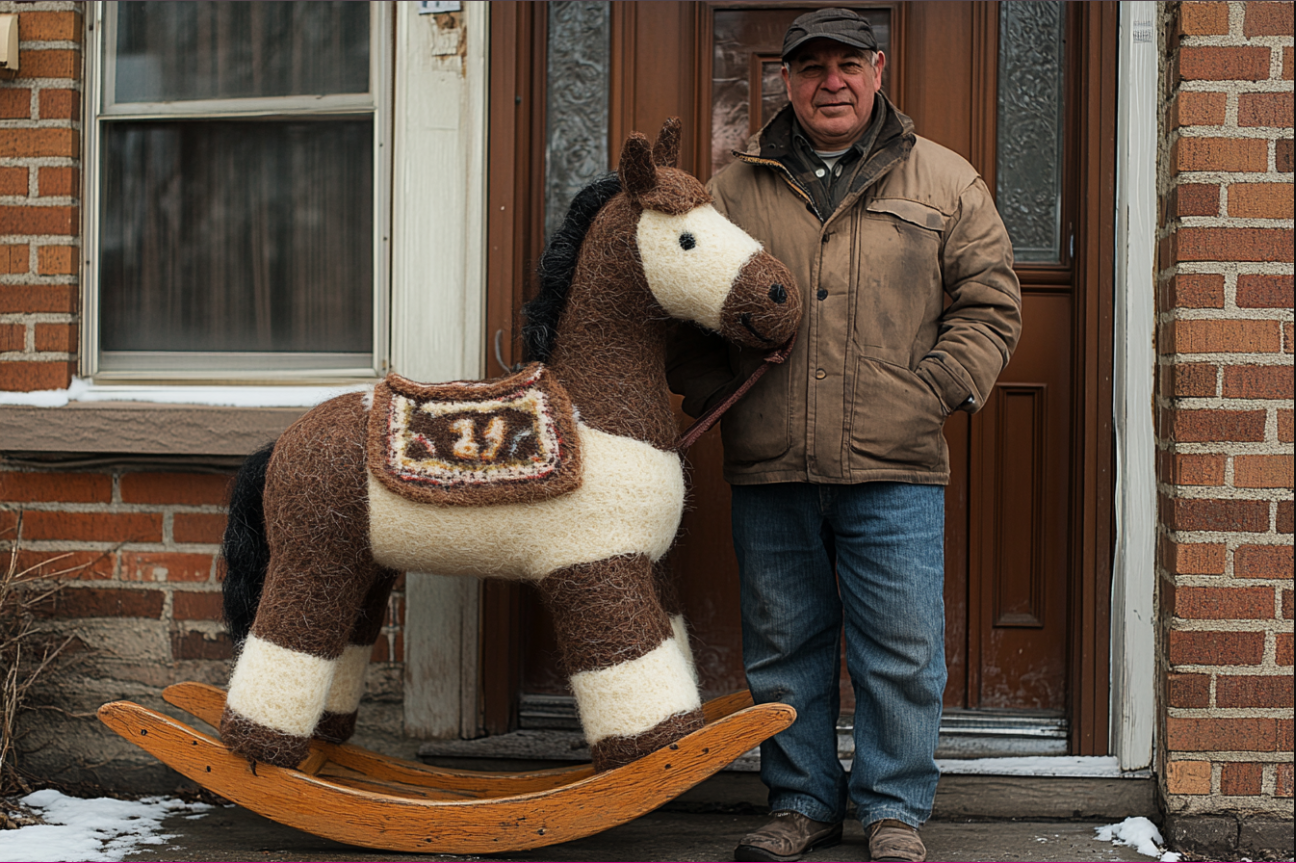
x=321, y=569
x=343, y=703
x=673, y=605
x=633, y=686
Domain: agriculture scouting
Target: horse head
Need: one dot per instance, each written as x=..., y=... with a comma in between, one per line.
x=700, y=266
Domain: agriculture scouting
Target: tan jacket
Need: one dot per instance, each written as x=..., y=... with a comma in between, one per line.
x=912, y=310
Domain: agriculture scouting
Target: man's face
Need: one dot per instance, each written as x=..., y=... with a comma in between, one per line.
x=831, y=88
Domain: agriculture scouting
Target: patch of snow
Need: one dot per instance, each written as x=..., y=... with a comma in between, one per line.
x=1074, y=766
x=1139, y=834
x=90, y=830
x=238, y=397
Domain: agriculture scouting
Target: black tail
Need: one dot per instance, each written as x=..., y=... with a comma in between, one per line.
x=245, y=549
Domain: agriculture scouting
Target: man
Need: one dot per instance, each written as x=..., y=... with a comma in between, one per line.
x=836, y=458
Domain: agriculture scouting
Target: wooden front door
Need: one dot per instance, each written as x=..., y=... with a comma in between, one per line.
x=1026, y=541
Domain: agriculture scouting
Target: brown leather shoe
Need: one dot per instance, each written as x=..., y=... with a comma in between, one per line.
x=895, y=840
x=787, y=836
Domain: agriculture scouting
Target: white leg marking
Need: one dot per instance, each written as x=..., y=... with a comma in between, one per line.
x=680, y=628
x=632, y=697
x=348, y=680
x=279, y=688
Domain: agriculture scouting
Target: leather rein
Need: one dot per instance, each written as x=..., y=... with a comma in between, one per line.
x=712, y=416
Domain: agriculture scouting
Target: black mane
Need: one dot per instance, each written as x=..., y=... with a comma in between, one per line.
x=557, y=265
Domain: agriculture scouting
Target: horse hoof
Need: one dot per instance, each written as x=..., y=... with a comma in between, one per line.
x=258, y=743
x=613, y=752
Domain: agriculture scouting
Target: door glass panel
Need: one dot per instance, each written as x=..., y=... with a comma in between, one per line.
x=576, y=103
x=747, y=87
x=1029, y=157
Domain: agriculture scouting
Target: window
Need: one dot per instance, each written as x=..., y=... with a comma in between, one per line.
x=237, y=191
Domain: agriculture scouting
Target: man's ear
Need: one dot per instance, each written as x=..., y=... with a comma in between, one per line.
x=638, y=174
x=666, y=148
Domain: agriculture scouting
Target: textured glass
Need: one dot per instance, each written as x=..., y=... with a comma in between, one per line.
x=1029, y=159
x=576, y=103
x=223, y=236
x=181, y=51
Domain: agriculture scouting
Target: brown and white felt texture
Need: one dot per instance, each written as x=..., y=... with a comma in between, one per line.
x=632, y=697
x=630, y=501
x=348, y=679
x=280, y=689
x=692, y=284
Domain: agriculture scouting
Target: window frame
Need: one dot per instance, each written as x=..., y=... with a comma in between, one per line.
x=235, y=367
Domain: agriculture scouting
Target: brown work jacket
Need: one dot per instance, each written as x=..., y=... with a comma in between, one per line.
x=912, y=310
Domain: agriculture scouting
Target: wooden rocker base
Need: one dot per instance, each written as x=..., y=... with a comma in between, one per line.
x=352, y=795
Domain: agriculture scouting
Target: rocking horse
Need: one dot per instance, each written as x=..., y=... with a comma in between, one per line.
x=566, y=474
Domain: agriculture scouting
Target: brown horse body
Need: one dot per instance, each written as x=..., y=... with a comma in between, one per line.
x=337, y=536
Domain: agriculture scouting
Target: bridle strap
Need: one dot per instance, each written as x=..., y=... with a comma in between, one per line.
x=704, y=423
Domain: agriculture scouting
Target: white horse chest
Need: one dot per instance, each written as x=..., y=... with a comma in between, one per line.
x=630, y=502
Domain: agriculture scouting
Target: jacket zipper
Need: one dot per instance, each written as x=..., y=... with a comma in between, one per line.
x=787, y=178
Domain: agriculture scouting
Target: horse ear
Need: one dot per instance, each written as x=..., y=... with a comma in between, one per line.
x=666, y=150
x=638, y=174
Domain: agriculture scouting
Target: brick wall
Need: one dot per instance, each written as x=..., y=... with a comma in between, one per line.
x=40, y=197
x=1224, y=407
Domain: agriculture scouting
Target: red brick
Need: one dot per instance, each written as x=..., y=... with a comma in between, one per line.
x=1182, y=380
x=165, y=566
x=57, y=260
x=1265, y=109
x=1233, y=244
x=1216, y=648
x=38, y=220
x=107, y=602
x=191, y=605
x=1216, y=425
x=1213, y=63
x=50, y=26
x=13, y=259
x=58, y=182
x=1203, y=19
x=1283, y=648
x=1224, y=603
x=60, y=104
x=1193, y=559
x=1287, y=65
x=8, y=524
x=1196, y=199
x=1198, y=109
x=1268, y=19
x=1262, y=471
x=1222, y=336
x=26, y=377
x=1221, y=735
x=61, y=338
x=201, y=645
x=1260, y=200
x=1219, y=154
x=85, y=565
x=1260, y=690
x=383, y=653
x=50, y=63
x=34, y=299
x=1287, y=605
x=1240, y=779
x=1194, y=291
x=183, y=488
x=1285, y=427
x=13, y=337
x=20, y=143
x=1289, y=334
x=1283, y=780
x=1188, y=690
x=93, y=526
x=1283, y=523
x=13, y=181
x=197, y=527
x=1188, y=777
x=1195, y=469
x=1258, y=382
x=1283, y=146
x=1255, y=291
x=15, y=104
x=30, y=487
x=1263, y=561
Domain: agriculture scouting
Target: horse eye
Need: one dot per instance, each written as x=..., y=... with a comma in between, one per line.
x=687, y=241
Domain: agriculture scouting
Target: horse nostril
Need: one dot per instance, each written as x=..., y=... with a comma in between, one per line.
x=778, y=294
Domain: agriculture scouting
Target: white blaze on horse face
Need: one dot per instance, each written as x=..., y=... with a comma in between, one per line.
x=691, y=261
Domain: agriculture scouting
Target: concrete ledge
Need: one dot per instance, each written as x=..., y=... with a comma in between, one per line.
x=1231, y=836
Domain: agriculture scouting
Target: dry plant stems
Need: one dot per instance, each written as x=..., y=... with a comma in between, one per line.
x=27, y=649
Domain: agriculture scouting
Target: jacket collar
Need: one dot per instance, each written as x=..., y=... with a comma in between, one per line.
x=774, y=140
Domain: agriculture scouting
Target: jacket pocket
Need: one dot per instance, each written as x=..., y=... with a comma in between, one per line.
x=896, y=419
x=757, y=428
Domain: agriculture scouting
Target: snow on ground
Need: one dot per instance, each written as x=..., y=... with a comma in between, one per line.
x=1139, y=834
x=250, y=396
x=90, y=830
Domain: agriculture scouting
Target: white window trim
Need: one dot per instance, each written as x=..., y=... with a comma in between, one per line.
x=295, y=370
x=1133, y=645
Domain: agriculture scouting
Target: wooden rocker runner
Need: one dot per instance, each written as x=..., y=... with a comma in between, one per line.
x=352, y=795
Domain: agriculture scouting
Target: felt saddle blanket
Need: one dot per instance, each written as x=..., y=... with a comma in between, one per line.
x=475, y=443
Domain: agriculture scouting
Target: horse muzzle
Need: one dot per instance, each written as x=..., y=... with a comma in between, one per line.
x=763, y=309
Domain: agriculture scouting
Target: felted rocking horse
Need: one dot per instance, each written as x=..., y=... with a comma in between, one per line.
x=566, y=474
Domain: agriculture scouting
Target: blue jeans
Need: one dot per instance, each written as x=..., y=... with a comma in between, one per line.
x=887, y=541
